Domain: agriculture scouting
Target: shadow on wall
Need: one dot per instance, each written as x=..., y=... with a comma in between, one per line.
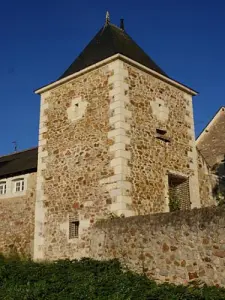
x=219, y=189
x=179, y=247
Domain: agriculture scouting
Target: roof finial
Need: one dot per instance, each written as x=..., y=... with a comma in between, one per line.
x=122, y=24
x=15, y=146
x=107, y=18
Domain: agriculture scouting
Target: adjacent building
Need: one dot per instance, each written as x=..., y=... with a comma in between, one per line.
x=211, y=144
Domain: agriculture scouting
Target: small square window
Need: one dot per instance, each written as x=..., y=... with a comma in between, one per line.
x=2, y=188
x=74, y=226
x=18, y=185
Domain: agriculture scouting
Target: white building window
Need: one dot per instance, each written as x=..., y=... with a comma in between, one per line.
x=18, y=185
x=13, y=186
x=2, y=187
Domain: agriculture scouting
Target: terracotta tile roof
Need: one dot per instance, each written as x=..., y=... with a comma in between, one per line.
x=18, y=163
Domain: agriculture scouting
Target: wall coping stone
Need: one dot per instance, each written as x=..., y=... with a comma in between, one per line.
x=197, y=217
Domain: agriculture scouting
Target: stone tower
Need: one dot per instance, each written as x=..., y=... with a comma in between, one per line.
x=116, y=136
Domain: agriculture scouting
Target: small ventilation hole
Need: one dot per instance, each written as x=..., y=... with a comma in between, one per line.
x=161, y=131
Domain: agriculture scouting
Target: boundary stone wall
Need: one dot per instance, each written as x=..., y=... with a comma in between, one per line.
x=177, y=247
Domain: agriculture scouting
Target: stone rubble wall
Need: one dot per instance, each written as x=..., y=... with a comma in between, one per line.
x=155, y=104
x=207, y=182
x=17, y=221
x=171, y=247
x=211, y=142
x=99, y=155
x=74, y=159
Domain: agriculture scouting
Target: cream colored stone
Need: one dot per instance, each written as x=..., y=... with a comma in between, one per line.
x=116, y=192
x=117, y=118
x=115, y=92
x=77, y=109
x=117, y=146
x=122, y=139
x=123, y=154
x=42, y=142
x=123, y=111
x=114, y=179
x=116, y=132
x=118, y=161
x=118, y=206
x=124, y=199
x=122, y=169
x=119, y=115
x=84, y=224
x=122, y=125
x=117, y=104
x=160, y=110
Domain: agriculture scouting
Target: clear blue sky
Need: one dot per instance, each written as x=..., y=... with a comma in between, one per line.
x=39, y=40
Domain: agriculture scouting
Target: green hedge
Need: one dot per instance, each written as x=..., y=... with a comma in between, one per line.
x=87, y=279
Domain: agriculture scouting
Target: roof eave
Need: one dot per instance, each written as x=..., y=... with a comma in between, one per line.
x=77, y=74
x=18, y=173
x=163, y=77
x=108, y=60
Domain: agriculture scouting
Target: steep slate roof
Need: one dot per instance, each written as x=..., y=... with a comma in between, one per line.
x=111, y=40
x=18, y=163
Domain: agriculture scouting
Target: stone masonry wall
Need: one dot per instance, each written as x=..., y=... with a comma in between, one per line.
x=98, y=153
x=206, y=182
x=74, y=159
x=171, y=247
x=154, y=105
x=212, y=142
x=17, y=221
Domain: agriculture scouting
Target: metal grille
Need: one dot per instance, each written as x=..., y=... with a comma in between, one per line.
x=179, y=190
x=73, y=226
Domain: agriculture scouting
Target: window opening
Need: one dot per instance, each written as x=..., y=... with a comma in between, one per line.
x=73, y=226
x=2, y=188
x=18, y=185
x=179, y=193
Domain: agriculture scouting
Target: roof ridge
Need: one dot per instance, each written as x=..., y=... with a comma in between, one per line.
x=210, y=123
x=18, y=152
x=117, y=27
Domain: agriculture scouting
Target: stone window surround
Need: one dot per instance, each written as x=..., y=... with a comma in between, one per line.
x=74, y=226
x=160, y=110
x=174, y=173
x=64, y=227
x=77, y=109
x=10, y=186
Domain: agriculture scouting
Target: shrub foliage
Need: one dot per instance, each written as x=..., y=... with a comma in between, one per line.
x=88, y=279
